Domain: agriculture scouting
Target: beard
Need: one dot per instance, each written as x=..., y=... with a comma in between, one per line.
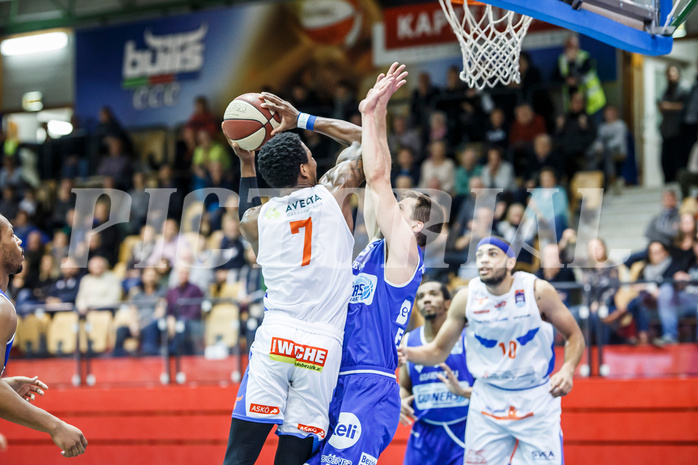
x=430, y=316
x=18, y=269
x=496, y=277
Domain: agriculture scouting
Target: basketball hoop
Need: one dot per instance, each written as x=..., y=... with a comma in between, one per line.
x=490, y=41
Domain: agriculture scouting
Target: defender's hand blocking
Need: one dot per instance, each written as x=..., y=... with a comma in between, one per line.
x=406, y=411
x=289, y=114
x=386, y=85
x=27, y=388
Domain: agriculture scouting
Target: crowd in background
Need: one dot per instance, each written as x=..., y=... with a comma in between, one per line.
x=453, y=139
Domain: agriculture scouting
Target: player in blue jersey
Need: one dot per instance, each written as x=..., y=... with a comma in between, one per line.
x=365, y=410
x=17, y=393
x=515, y=406
x=439, y=416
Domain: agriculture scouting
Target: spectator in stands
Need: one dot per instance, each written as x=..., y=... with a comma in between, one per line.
x=690, y=122
x=438, y=172
x=466, y=207
x=577, y=70
x=29, y=204
x=116, y=164
x=99, y=288
x=188, y=315
x=610, y=149
x=542, y=156
x=23, y=225
x=438, y=128
x=421, y=104
x=142, y=249
x=45, y=279
x=108, y=126
x=140, y=201
x=203, y=118
x=477, y=104
x=467, y=170
x=252, y=298
x=199, y=274
x=678, y=300
x=59, y=246
x=34, y=250
x=688, y=176
x=141, y=318
x=403, y=137
x=165, y=253
x=459, y=244
x=451, y=101
x=527, y=125
x=232, y=252
x=405, y=165
x=217, y=178
x=576, y=131
x=532, y=90
x=109, y=238
x=166, y=180
x=682, y=246
x=343, y=101
x=603, y=279
x=64, y=202
x=8, y=204
x=11, y=174
x=519, y=229
x=65, y=288
x=671, y=106
x=184, y=149
x=555, y=272
x=551, y=206
x=208, y=151
x=498, y=173
x=665, y=227
x=496, y=131
x=659, y=266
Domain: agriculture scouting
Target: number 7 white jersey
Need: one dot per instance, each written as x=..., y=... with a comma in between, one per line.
x=305, y=251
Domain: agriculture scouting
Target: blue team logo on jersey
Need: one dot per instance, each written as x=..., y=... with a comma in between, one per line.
x=520, y=298
x=364, y=289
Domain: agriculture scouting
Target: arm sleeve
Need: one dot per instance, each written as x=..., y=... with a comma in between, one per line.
x=249, y=195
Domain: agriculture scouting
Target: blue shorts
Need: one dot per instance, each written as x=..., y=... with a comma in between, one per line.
x=364, y=415
x=431, y=444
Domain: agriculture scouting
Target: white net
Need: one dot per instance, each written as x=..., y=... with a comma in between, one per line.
x=490, y=39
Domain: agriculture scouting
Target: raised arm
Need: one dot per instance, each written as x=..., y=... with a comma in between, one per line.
x=437, y=350
x=249, y=201
x=555, y=312
x=403, y=252
x=343, y=132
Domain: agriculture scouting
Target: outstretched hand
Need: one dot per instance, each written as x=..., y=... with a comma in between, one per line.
x=289, y=114
x=386, y=85
x=452, y=383
x=27, y=388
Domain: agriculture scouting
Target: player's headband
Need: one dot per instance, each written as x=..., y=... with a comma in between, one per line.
x=497, y=243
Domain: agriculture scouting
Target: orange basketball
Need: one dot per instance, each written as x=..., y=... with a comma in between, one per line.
x=249, y=124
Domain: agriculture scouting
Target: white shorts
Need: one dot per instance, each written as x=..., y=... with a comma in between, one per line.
x=513, y=427
x=291, y=375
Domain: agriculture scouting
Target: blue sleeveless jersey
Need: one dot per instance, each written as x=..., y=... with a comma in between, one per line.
x=8, y=347
x=433, y=402
x=378, y=312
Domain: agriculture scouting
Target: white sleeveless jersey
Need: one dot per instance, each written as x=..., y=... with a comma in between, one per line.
x=305, y=251
x=509, y=345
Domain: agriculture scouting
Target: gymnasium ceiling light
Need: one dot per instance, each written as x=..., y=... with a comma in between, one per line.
x=34, y=44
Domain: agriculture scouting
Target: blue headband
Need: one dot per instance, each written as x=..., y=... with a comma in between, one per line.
x=498, y=243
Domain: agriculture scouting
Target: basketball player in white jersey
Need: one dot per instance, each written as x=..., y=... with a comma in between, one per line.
x=514, y=414
x=16, y=393
x=303, y=241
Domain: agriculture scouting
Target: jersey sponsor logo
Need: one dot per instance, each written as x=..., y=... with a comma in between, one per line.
x=404, y=315
x=300, y=355
x=501, y=304
x=480, y=301
x=319, y=432
x=332, y=459
x=347, y=432
x=364, y=289
x=433, y=375
x=301, y=204
x=475, y=457
x=264, y=409
x=272, y=214
x=478, y=312
x=436, y=395
x=520, y=298
x=366, y=459
x=512, y=414
x=542, y=455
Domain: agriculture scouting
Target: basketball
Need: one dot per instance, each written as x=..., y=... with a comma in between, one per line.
x=246, y=122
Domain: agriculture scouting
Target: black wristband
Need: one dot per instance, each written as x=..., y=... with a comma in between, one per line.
x=249, y=195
